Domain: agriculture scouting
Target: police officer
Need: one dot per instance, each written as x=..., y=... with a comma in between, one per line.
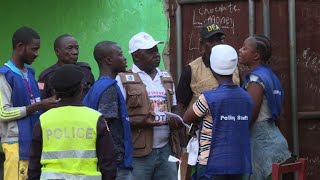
x=226, y=112
x=71, y=140
x=67, y=50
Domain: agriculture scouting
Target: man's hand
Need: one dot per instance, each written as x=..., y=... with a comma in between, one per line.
x=45, y=104
x=175, y=123
x=49, y=103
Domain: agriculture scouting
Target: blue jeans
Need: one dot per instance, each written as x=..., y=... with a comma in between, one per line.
x=268, y=146
x=124, y=174
x=201, y=170
x=155, y=165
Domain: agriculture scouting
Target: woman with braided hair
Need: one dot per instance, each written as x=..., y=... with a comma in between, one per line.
x=268, y=145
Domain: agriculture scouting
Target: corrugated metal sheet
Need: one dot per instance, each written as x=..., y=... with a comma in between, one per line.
x=308, y=62
x=308, y=57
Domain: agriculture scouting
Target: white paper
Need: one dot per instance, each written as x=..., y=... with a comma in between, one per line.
x=193, y=149
x=169, y=115
x=173, y=159
x=179, y=173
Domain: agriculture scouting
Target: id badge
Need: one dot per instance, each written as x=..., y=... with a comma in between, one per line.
x=32, y=101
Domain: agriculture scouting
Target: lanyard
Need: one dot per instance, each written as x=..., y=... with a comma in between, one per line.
x=28, y=85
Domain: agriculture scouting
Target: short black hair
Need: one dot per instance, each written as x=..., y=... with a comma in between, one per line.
x=215, y=37
x=264, y=48
x=24, y=35
x=102, y=49
x=58, y=39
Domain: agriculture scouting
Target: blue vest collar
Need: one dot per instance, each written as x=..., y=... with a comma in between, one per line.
x=14, y=68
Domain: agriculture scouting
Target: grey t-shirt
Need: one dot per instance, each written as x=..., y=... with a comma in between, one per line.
x=109, y=106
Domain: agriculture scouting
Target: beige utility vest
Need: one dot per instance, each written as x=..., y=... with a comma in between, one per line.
x=202, y=79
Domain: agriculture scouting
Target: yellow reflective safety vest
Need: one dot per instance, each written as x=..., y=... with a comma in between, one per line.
x=69, y=136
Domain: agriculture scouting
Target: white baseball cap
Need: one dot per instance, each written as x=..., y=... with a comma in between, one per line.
x=142, y=40
x=223, y=59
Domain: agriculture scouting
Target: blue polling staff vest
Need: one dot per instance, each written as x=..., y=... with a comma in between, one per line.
x=272, y=89
x=92, y=100
x=231, y=108
x=21, y=96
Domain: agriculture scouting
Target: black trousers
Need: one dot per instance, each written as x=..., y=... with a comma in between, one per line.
x=227, y=177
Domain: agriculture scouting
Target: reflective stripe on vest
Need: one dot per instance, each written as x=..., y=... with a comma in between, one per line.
x=55, y=175
x=68, y=154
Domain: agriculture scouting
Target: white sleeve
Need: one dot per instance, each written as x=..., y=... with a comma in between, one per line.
x=255, y=78
x=119, y=82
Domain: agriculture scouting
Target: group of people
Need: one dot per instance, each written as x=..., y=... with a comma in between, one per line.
x=66, y=125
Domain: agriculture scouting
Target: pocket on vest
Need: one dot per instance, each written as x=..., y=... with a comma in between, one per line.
x=134, y=98
x=139, y=138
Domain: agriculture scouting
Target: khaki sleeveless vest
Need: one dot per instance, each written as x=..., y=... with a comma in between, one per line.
x=202, y=79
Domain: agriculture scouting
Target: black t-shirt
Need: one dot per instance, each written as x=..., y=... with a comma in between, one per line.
x=46, y=75
x=109, y=106
x=184, y=91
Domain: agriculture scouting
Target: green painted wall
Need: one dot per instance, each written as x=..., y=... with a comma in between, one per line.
x=90, y=21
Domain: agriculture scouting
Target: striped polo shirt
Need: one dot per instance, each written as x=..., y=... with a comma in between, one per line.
x=201, y=109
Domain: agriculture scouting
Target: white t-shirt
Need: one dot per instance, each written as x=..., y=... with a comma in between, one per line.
x=158, y=98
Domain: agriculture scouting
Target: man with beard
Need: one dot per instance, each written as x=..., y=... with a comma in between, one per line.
x=67, y=50
x=105, y=96
x=20, y=103
x=145, y=87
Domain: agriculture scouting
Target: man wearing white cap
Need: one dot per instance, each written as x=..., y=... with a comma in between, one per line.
x=226, y=112
x=149, y=94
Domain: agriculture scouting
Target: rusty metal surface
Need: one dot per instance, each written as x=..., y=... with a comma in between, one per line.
x=172, y=41
x=308, y=53
x=308, y=62
x=280, y=61
x=309, y=146
x=231, y=16
x=308, y=57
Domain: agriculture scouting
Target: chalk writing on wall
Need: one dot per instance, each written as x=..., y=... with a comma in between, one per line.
x=310, y=60
x=309, y=67
x=224, y=14
x=216, y=15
